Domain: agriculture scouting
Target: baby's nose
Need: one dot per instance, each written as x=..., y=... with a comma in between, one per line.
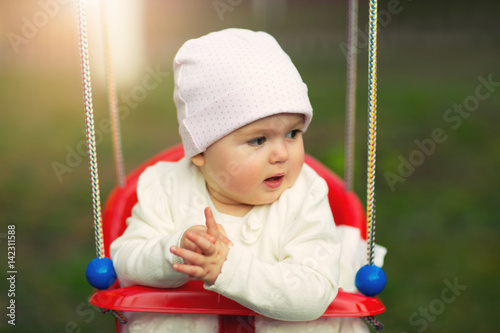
x=279, y=153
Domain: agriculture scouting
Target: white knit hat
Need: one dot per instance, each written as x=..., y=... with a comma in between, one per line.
x=230, y=78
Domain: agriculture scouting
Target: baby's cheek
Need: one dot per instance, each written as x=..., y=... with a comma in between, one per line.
x=244, y=182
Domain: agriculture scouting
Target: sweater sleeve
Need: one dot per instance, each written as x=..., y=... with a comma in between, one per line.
x=302, y=282
x=141, y=255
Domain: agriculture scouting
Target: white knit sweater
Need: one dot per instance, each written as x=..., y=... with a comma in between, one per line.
x=285, y=262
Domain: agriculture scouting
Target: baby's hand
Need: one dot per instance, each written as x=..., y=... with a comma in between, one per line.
x=214, y=229
x=189, y=245
x=210, y=251
x=202, y=231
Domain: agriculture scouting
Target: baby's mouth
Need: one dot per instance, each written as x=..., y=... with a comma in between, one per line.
x=274, y=182
x=271, y=179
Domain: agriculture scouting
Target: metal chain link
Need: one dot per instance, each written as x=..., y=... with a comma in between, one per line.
x=90, y=131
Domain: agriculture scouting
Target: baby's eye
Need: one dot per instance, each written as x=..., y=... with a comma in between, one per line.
x=293, y=134
x=257, y=141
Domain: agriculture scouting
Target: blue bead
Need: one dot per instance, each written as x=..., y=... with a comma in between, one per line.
x=370, y=280
x=100, y=273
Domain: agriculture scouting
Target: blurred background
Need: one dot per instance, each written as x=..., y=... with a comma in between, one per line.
x=438, y=143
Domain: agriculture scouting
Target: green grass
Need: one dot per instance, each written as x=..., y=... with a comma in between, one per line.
x=441, y=223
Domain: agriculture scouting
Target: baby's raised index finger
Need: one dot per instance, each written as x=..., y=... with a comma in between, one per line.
x=212, y=228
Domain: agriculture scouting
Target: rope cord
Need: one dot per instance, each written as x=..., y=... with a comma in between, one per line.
x=350, y=103
x=372, y=130
x=117, y=314
x=374, y=323
x=90, y=132
x=113, y=102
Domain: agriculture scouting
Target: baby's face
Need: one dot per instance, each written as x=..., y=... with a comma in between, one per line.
x=255, y=164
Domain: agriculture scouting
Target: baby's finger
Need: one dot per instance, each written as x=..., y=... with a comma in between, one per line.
x=187, y=255
x=210, y=238
x=212, y=228
x=225, y=240
x=193, y=271
x=189, y=245
x=223, y=235
x=206, y=246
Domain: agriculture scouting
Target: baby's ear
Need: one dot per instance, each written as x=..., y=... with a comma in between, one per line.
x=198, y=160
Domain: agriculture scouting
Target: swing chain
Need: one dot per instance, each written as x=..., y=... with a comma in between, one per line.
x=90, y=131
x=372, y=130
x=372, y=114
x=374, y=323
x=117, y=314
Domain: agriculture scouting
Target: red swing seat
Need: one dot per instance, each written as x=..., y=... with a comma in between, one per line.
x=192, y=297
